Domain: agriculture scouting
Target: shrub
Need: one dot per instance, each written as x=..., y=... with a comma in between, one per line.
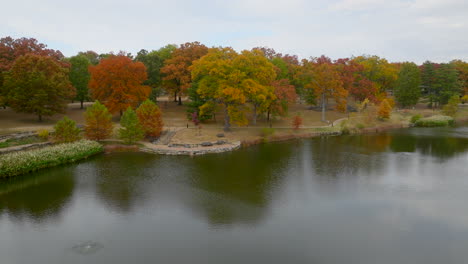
x=297, y=122
x=66, y=131
x=435, y=121
x=415, y=118
x=20, y=162
x=43, y=134
x=451, y=107
x=464, y=99
x=150, y=119
x=267, y=131
x=131, y=130
x=384, y=109
x=360, y=126
x=344, y=127
x=98, y=122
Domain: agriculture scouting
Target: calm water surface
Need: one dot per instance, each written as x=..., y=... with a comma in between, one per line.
x=398, y=197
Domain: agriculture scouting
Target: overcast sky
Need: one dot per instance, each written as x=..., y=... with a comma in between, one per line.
x=399, y=30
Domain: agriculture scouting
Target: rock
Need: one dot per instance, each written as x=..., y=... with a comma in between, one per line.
x=187, y=146
x=220, y=142
x=206, y=144
x=220, y=135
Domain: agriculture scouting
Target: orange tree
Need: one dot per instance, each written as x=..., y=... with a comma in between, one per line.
x=150, y=119
x=177, y=76
x=117, y=82
x=98, y=124
x=38, y=85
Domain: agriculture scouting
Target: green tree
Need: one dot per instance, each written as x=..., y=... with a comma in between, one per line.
x=407, y=88
x=79, y=77
x=451, y=108
x=428, y=80
x=131, y=130
x=446, y=83
x=38, y=85
x=66, y=131
x=98, y=124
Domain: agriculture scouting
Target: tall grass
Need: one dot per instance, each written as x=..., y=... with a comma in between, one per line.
x=21, y=162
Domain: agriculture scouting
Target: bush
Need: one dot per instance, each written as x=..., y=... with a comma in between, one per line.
x=415, y=118
x=43, y=134
x=150, y=119
x=360, y=126
x=384, y=109
x=435, y=121
x=131, y=130
x=66, y=131
x=297, y=122
x=98, y=122
x=344, y=128
x=21, y=162
x=267, y=131
x=451, y=108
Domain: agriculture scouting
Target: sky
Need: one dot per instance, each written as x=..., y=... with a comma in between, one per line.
x=398, y=30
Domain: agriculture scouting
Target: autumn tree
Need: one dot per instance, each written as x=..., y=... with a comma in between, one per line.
x=150, y=119
x=379, y=71
x=297, y=122
x=65, y=130
x=38, y=85
x=219, y=83
x=92, y=56
x=407, y=88
x=131, y=129
x=325, y=83
x=285, y=95
x=354, y=80
x=384, y=109
x=462, y=68
x=117, y=82
x=98, y=122
x=79, y=77
x=177, y=76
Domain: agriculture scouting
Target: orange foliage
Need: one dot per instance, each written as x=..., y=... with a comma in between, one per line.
x=297, y=122
x=98, y=122
x=384, y=109
x=150, y=118
x=117, y=82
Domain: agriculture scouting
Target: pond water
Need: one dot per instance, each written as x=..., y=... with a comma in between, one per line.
x=396, y=197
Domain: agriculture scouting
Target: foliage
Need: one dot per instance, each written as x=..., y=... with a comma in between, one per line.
x=117, y=82
x=297, y=122
x=177, y=76
x=464, y=99
x=98, y=120
x=79, y=77
x=38, y=85
x=267, y=131
x=21, y=162
x=131, y=130
x=354, y=80
x=451, y=108
x=462, y=68
x=384, y=110
x=92, y=56
x=446, y=83
x=285, y=94
x=66, y=131
x=43, y=134
x=149, y=116
x=415, y=118
x=196, y=101
x=435, y=121
x=407, y=88
x=379, y=71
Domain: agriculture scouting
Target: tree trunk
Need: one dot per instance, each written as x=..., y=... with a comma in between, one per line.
x=227, y=124
x=268, y=115
x=121, y=113
x=40, y=118
x=180, y=100
x=175, y=96
x=81, y=104
x=323, y=108
x=254, y=117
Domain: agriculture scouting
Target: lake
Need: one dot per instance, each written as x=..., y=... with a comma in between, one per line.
x=394, y=197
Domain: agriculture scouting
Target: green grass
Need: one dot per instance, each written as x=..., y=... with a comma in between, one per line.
x=435, y=121
x=18, y=142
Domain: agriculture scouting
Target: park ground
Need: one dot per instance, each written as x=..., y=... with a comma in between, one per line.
x=183, y=131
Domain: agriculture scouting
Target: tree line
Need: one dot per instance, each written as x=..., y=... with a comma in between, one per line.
x=245, y=85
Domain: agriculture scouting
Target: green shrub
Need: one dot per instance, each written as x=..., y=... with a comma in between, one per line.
x=21, y=162
x=435, y=121
x=451, y=108
x=131, y=130
x=344, y=128
x=66, y=131
x=360, y=126
x=267, y=131
x=415, y=118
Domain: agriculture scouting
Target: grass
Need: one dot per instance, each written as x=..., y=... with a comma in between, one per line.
x=18, y=142
x=13, y=164
x=435, y=121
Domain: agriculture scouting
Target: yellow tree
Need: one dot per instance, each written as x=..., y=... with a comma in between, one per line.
x=379, y=71
x=325, y=83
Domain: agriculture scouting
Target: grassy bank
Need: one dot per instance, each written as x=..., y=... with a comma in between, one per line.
x=21, y=162
x=435, y=121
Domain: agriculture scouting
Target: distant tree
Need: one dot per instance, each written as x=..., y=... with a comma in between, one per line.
x=462, y=68
x=446, y=83
x=384, y=109
x=79, y=77
x=379, y=71
x=66, y=131
x=407, y=88
x=297, y=122
x=285, y=95
x=131, y=130
x=38, y=85
x=451, y=108
x=92, y=56
x=150, y=119
x=428, y=81
x=117, y=82
x=177, y=76
x=354, y=80
x=98, y=124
